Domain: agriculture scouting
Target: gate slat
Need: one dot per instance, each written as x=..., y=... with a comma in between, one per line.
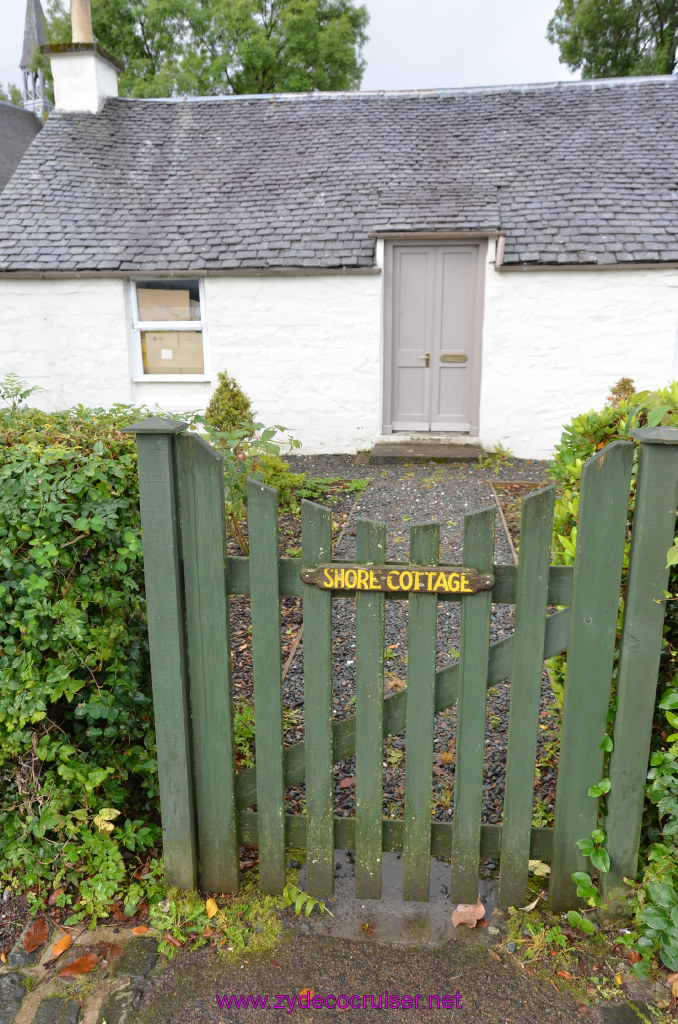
x=200, y=474
x=422, y=613
x=526, y=678
x=476, y=612
x=262, y=503
x=599, y=551
x=316, y=540
x=369, y=742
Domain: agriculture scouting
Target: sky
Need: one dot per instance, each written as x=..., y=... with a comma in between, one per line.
x=415, y=44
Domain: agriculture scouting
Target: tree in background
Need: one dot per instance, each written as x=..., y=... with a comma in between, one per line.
x=212, y=47
x=615, y=38
x=11, y=94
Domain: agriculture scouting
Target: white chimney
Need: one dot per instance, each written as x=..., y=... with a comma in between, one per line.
x=81, y=21
x=85, y=75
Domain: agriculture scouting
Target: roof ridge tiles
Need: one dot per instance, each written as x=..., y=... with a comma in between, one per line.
x=368, y=94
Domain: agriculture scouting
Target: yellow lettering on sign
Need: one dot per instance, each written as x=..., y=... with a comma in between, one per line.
x=363, y=577
x=328, y=576
x=429, y=580
x=417, y=577
x=392, y=584
x=406, y=585
x=339, y=578
x=441, y=582
x=374, y=582
x=466, y=588
x=453, y=582
x=351, y=579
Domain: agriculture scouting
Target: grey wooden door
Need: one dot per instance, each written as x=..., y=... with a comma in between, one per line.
x=433, y=335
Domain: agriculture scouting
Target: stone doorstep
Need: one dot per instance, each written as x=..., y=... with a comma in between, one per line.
x=424, y=451
x=111, y=995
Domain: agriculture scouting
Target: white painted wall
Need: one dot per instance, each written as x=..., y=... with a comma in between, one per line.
x=554, y=342
x=68, y=336
x=308, y=350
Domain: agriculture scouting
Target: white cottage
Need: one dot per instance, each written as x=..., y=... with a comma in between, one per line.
x=481, y=262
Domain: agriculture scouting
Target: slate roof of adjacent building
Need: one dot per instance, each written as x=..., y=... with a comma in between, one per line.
x=18, y=128
x=571, y=173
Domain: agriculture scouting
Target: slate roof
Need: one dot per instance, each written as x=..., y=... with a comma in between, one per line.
x=18, y=128
x=573, y=173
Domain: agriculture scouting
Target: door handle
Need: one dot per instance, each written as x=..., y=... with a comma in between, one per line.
x=427, y=357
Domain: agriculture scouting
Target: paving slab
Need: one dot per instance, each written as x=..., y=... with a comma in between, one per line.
x=55, y=1010
x=12, y=992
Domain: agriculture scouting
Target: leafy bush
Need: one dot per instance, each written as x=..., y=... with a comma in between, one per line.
x=229, y=408
x=76, y=730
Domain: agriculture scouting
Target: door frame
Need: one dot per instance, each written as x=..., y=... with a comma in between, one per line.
x=479, y=306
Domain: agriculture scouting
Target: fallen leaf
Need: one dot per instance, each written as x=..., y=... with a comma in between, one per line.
x=538, y=868
x=37, y=934
x=565, y=974
x=674, y=989
x=3, y=958
x=208, y=932
x=635, y=956
x=110, y=950
x=172, y=941
x=62, y=945
x=211, y=907
x=83, y=965
x=672, y=977
x=532, y=905
x=495, y=956
x=347, y=783
x=276, y=964
x=116, y=912
x=310, y=992
x=468, y=914
x=140, y=929
x=53, y=898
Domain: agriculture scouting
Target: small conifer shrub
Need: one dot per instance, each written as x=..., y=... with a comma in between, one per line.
x=229, y=408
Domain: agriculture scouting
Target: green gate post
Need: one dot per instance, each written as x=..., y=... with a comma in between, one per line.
x=599, y=553
x=654, y=524
x=200, y=475
x=158, y=499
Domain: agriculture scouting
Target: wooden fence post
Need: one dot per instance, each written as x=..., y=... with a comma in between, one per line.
x=158, y=499
x=601, y=532
x=200, y=472
x=262, y=518
x=654, y=523
x=316, y=542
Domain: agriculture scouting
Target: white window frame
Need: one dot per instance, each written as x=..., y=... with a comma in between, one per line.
x=138, y=375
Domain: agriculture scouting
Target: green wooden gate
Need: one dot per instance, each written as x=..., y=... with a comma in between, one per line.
x=205, y=803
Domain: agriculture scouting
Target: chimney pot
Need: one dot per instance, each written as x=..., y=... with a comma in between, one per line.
x=81, y=21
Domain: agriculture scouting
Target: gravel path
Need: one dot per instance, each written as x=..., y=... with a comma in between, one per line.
x=401, y=495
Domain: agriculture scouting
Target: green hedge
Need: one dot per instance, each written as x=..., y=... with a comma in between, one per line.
x=76, y=724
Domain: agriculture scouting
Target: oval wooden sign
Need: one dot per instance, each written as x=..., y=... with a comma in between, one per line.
x=392, y=579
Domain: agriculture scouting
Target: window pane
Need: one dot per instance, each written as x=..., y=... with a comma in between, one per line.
x=172, y=351
x=168, y=300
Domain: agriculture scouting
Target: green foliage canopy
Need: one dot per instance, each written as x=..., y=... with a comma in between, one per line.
x=616, y=38
x=11, y=94
x=215, y=47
